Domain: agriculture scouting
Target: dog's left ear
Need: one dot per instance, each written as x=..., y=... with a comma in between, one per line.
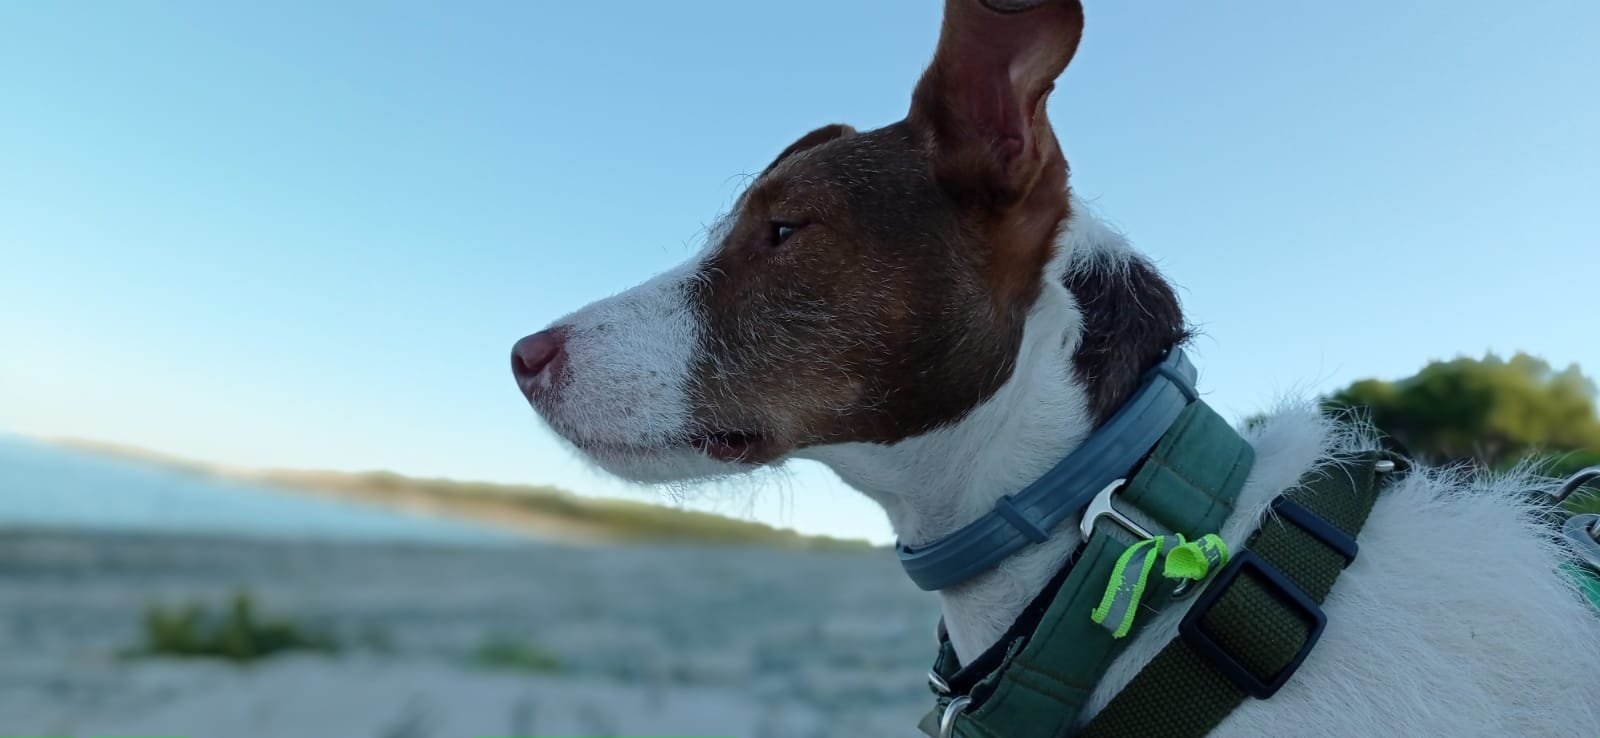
x=812, y=140
x=982, y=100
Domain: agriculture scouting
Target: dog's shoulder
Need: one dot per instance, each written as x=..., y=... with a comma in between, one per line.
x=1454, y=619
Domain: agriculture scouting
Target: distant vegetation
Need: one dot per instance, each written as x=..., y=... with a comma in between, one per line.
x=516, y=655
x=1489, y=412
x=557, y=511
x=541, y=510
x=235, y=633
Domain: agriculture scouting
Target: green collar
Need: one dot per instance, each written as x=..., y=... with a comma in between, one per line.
x=1048, y=664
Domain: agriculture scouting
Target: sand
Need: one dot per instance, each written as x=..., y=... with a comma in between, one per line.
x=652, y=641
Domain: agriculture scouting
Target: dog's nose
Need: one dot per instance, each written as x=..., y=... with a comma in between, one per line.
x=536, y=355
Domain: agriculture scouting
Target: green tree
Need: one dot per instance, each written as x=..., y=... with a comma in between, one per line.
x=1491, y=411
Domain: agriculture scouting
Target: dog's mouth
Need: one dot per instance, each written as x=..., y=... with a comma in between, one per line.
x=735, y=446
x=731, y=445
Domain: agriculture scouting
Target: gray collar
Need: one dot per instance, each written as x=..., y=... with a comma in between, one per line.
x=1063, y=492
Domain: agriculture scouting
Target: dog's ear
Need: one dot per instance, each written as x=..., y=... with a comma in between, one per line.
x=811, y=140
x=982, y=100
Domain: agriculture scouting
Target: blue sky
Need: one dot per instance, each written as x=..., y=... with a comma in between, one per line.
x=306, y=234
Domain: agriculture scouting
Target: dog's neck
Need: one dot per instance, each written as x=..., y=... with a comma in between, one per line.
x=935, y=483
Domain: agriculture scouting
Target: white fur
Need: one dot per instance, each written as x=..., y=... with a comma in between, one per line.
x=933, y=484
x=634, y=351
x=1452, y=621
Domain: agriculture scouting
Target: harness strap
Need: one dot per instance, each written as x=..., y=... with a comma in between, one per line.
x=1027, y=517
x=1258, y=620
x=1033, y=684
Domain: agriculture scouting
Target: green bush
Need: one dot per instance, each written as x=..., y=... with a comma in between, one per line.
x=235, y=633
x=1489, y=412
x=512, y=654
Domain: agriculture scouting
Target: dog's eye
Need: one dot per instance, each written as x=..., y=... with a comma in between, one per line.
x=778, y=232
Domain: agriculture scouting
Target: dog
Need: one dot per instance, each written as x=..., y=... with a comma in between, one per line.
x=926, y=309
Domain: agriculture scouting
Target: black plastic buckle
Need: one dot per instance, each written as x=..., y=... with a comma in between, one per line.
x=1289, y=594
x=1319, y=529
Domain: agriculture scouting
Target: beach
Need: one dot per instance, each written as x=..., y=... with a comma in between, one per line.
x=638, y=640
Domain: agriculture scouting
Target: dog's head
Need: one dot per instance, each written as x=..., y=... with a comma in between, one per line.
x=867, y=286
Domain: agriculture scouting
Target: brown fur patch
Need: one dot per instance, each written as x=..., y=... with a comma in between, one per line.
x=896, y=303
x=812, y=140
x=982, y=105
x=1131, y=317
x=873, y=322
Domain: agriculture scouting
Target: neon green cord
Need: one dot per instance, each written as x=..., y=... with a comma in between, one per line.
x=1195, y=560
x=1192, y=560
x=1120, y=602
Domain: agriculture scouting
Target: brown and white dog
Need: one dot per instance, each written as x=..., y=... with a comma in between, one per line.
x=925, y=309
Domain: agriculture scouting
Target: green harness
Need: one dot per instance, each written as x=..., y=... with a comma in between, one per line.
x=1244, y=635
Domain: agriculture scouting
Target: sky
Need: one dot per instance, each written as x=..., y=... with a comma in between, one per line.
x=306, y=234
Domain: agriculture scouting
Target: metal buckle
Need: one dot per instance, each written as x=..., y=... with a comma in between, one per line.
x=1100, y=507
x=947, y=721
x=1193, y=632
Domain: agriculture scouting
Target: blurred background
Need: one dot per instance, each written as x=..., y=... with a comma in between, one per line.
x=263, y=470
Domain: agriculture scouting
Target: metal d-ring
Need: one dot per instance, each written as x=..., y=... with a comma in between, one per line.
x=1100, y=507
x=1576, y=482
x=947, y=721
x=1583, y=532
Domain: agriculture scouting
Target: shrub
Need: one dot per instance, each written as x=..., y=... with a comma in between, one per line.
x=236, y=633
x=509, y=653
